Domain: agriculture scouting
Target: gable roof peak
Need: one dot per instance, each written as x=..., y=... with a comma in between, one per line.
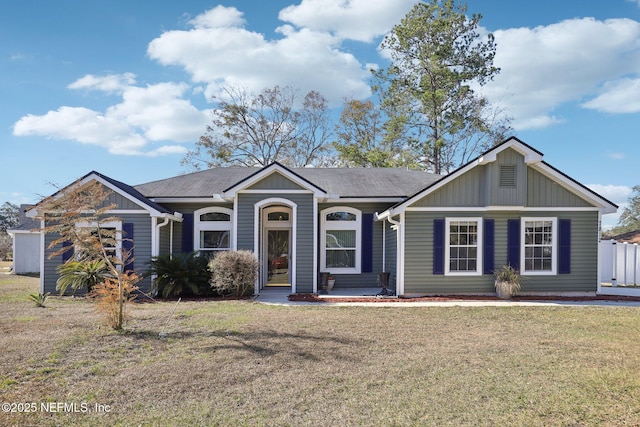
x=531, y=155
x=274, y=167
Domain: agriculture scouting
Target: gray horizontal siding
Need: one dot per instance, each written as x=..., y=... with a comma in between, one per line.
x=142, y=251
x=391, y=248
x=304, y=231
x=419, y=277
x=183, y=208
x=363, y=280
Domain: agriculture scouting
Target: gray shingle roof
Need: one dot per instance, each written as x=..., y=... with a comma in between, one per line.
x=345, y=182
x=25, y=223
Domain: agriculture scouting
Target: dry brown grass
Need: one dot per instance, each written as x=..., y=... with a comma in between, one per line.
x=242, y=363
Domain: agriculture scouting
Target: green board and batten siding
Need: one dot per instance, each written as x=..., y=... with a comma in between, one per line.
x=481, y=187
x=544, y=192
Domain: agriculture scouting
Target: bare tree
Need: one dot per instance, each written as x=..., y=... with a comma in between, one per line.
x=256, y=130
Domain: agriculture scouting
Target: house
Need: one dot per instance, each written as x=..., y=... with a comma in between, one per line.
x=433, y=234
x=26, y=244
x=628, y=237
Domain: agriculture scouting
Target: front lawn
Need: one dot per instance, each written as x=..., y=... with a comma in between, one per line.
x=243, y=363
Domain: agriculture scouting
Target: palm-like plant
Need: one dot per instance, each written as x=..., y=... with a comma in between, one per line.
x=79, y=274
x=178, y=274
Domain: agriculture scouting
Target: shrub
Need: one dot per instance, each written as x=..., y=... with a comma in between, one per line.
x=180, y=274
x=80, y=274
x=507, y=281
x=234, y=272
x=39, y=299
x=113, y=295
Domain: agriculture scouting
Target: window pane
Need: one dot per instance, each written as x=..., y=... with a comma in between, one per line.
x=214, y=239
x=341, y=239
x=341, y=216
x=538, y=249
x=463, y=245
x=215, y=216
x=278, y=216
x=341, y=258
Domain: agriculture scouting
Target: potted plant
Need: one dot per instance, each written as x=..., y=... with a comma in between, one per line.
x=507, y=282
x=330, y=282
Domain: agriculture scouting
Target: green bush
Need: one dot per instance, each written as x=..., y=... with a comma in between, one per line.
x=234, y=272
x=39, y=299
x=183, y=274
x=81, y=274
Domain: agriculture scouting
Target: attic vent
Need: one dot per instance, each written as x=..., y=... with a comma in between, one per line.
x=507, y=176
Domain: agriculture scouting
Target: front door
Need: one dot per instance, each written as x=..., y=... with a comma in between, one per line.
x=278, y=255
x=276, y=258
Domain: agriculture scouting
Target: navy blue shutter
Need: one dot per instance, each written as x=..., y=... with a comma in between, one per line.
x=367, y=243
x=513, y=243
x=564, y=246
x=67, y=255
x=488, y=246
x=187, y=232
x=127, y=245
x=438, y=246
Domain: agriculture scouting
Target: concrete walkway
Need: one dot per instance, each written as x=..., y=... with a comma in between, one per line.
x=279, y=296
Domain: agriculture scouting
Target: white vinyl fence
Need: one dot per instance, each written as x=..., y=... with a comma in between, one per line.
x=619, y=268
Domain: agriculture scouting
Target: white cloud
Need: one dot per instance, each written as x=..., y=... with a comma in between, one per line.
x=619, y=96
x=219, y=17
x=230, y=54
x=547, y=66
x=111, y=83
x=618, y=194
x=616, y=156
x=146, y=115
x=361, y=20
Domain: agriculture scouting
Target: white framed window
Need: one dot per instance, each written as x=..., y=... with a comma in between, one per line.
x=463, y=251
x=539, y=241
x=112, y=238
x=212, y=229
x=340, y=240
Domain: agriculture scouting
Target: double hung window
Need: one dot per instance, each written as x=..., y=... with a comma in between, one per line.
x=341, y=240
x=539, y=245
x=212, y=229
x=463, y=239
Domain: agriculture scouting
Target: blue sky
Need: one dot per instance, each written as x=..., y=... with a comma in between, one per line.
x=123, y=87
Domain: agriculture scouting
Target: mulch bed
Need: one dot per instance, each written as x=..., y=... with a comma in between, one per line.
x=444, y=298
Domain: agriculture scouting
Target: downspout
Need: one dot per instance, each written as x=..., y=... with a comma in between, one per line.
x=384, y=247
x=156, y=244
x=171, y=240
x=393, y=221
x=399, y=254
